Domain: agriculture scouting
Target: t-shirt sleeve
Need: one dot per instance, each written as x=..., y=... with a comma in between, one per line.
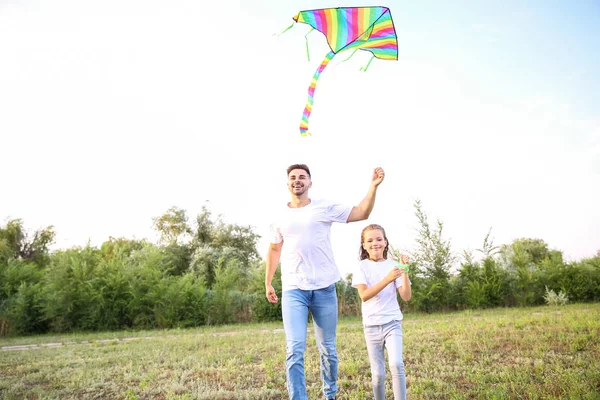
x=275, y=236
x=358, y=277
x=339, y=212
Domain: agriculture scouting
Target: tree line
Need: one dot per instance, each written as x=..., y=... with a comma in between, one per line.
x=207, y=272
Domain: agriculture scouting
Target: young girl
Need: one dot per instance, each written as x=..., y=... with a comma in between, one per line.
x=377, y=279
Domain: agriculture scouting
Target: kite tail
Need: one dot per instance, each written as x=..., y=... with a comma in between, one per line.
x=311, y=91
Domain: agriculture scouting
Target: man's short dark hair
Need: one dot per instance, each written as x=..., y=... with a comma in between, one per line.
x=298, y=166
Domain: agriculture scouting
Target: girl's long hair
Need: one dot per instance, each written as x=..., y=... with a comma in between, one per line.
x=362, y=253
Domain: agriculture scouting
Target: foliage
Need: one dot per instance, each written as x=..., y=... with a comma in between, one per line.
x=262, y=310
x=215, y=240
x=433, y=253
x=553, y=299
x=433, y=259
x=349, y=302
x=172, y=226
x=205, y=271
x=16, y=243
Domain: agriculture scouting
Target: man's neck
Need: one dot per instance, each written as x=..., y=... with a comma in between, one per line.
x=298, y=202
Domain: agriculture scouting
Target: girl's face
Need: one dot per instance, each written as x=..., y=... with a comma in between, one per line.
x=374, y=243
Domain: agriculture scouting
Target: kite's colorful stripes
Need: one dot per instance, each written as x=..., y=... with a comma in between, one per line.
x=355, y=27
x=311, y=94
x=366, y=28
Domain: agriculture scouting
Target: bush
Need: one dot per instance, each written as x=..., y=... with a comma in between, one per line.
x=217, y=278
x=70, y=301
x=349, y=303
x=22, y=313
x=263, y=311
x=553, y=299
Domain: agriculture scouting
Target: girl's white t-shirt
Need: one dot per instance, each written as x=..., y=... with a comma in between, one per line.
x=383, y=307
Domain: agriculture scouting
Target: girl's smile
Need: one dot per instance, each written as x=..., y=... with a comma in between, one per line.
x=375, y=244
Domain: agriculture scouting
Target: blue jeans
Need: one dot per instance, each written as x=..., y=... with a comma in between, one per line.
x=380, y=337
x=322, y=304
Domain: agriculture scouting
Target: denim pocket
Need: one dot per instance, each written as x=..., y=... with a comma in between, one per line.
x=329, y=288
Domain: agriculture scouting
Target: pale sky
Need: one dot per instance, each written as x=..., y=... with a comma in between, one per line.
x=111, y=112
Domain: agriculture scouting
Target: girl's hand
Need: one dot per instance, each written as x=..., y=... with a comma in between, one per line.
x=394, y=274
x=404, y=259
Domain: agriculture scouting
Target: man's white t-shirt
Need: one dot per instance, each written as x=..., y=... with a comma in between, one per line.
x=383, y=307
x=307, y=261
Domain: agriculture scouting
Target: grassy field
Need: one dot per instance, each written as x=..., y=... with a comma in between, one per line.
x=531, y=353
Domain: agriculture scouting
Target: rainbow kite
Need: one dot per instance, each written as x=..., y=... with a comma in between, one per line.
x=349, y=28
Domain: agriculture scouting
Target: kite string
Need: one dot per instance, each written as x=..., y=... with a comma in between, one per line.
x=285, y=30
x=364, y=69
x=306, y=39
x=350, y=56
x=311, y=91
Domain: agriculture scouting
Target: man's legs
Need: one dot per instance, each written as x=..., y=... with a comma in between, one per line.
x=294, y=308
x=324, y=309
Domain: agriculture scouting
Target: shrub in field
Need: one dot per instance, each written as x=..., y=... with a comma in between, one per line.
x=553, y=299
x=469, y=271
x=262, y=310
x=177, y=258
x=110, y=288
x=553, y=273
x=495, y=283
x=214, y=240
x=210, y=273
x=13, y=273
x=475, y=294
x=23, y=313
x=349, y=302
x=148, y=285
x=242, y=304
x=183, y=304
x=428, y=295
x=22, y=262
x=582, y=280
x=433, y=259
x=70, y=301
x=220, y=299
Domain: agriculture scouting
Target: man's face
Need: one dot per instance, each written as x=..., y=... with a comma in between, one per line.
x=298, y=182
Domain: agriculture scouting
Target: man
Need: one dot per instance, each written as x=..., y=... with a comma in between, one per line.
x=300, y=240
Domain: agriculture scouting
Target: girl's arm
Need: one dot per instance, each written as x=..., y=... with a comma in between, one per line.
x=366, y=293
x=405, y=290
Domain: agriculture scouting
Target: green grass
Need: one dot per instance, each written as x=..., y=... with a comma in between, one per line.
x=527, y=353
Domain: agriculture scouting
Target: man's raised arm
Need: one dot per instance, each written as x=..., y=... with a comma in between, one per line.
x=363, y=210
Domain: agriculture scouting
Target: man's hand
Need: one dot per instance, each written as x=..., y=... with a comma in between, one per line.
x=271, y=295
x=378, y=176
x=363, y=210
